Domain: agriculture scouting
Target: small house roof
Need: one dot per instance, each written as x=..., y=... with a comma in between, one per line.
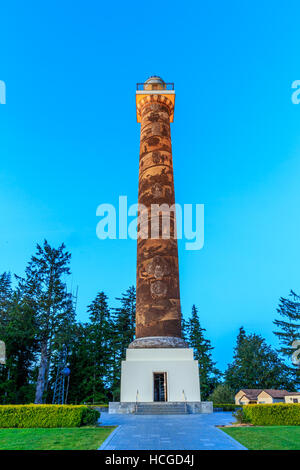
x=251, y=393
x=275, y=393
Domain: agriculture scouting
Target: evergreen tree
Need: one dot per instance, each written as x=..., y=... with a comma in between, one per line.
x=256, y=365
x=100, y=346
x=5, y=298
x=184, y=332
x=208, y=373
x=45, y=291
x=289, y=330
x=222, y=394
x=17, y=330
x=81, y=366
x=6, y=293
x=241, y=337
x=124, y=331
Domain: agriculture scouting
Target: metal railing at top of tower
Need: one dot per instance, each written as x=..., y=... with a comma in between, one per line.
x=155, y=86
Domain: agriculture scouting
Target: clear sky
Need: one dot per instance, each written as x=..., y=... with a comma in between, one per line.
x=69, y=141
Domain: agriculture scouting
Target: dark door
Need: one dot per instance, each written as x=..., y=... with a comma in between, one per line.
x=160, y=386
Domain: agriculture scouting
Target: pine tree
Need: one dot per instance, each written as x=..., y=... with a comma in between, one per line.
x=17, y=330
x=81, y=366
x=184, y=332
x=208, y=373
x=45, y=291
x=222, y=394
x=6, y=293
x=241, y=337
x=5, y=306
x=289, y=330
x=124, y=331
x=256, y=365
x=100, y=345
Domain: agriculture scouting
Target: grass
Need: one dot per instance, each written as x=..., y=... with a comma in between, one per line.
x=267, y=437
x=86, y=438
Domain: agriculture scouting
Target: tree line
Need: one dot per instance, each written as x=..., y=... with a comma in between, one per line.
x=37, y=318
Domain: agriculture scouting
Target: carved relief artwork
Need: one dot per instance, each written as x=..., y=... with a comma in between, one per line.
x=158, y=301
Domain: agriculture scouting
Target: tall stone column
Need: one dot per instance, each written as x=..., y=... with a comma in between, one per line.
x=158, y=313
x=159, y=365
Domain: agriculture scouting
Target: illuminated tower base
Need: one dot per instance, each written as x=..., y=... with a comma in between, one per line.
x=156, y=381
x=163, y=375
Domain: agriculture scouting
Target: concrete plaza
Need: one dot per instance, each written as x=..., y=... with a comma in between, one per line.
x=169, y=432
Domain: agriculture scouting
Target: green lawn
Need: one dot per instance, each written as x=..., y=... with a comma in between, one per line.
x=267, y=437
x=86, y=438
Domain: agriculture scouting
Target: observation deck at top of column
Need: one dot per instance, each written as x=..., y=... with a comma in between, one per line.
x=154, y=86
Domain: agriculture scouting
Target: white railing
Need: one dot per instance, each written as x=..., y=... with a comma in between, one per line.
x=136, y=400
x=185, y=401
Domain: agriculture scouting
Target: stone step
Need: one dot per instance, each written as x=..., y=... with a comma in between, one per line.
x=161, y=408
x=160, y=403
x=158, y=413
x=156, y=408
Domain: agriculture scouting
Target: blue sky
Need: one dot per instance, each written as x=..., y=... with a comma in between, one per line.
x=69, y=141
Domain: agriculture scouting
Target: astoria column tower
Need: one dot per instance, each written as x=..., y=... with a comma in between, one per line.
x=159, y=365
x=158, y=314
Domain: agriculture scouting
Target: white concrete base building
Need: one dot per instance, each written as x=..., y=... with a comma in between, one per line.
x=163, y=375
x=160, y=377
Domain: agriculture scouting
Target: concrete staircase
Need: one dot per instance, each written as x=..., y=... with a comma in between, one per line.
x=161, y=408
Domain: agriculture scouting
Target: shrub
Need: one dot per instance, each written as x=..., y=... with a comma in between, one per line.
x=46, y=416
x=277, y=414
x=240, y=416
x=95, y=405
x=99, y=408
x=90, y=416
x=222, y=394
x=226, y=406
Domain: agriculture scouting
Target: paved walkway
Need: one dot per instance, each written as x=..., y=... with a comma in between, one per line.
x=169, y=432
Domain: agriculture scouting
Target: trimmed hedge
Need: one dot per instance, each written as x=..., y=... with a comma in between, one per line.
x=276, y=414
x=226, y=406
x=95, y=404
x=100, y=408
x=90, y=416
x=46, y=416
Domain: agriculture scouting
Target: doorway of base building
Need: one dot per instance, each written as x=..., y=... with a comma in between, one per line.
x=160, y=386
